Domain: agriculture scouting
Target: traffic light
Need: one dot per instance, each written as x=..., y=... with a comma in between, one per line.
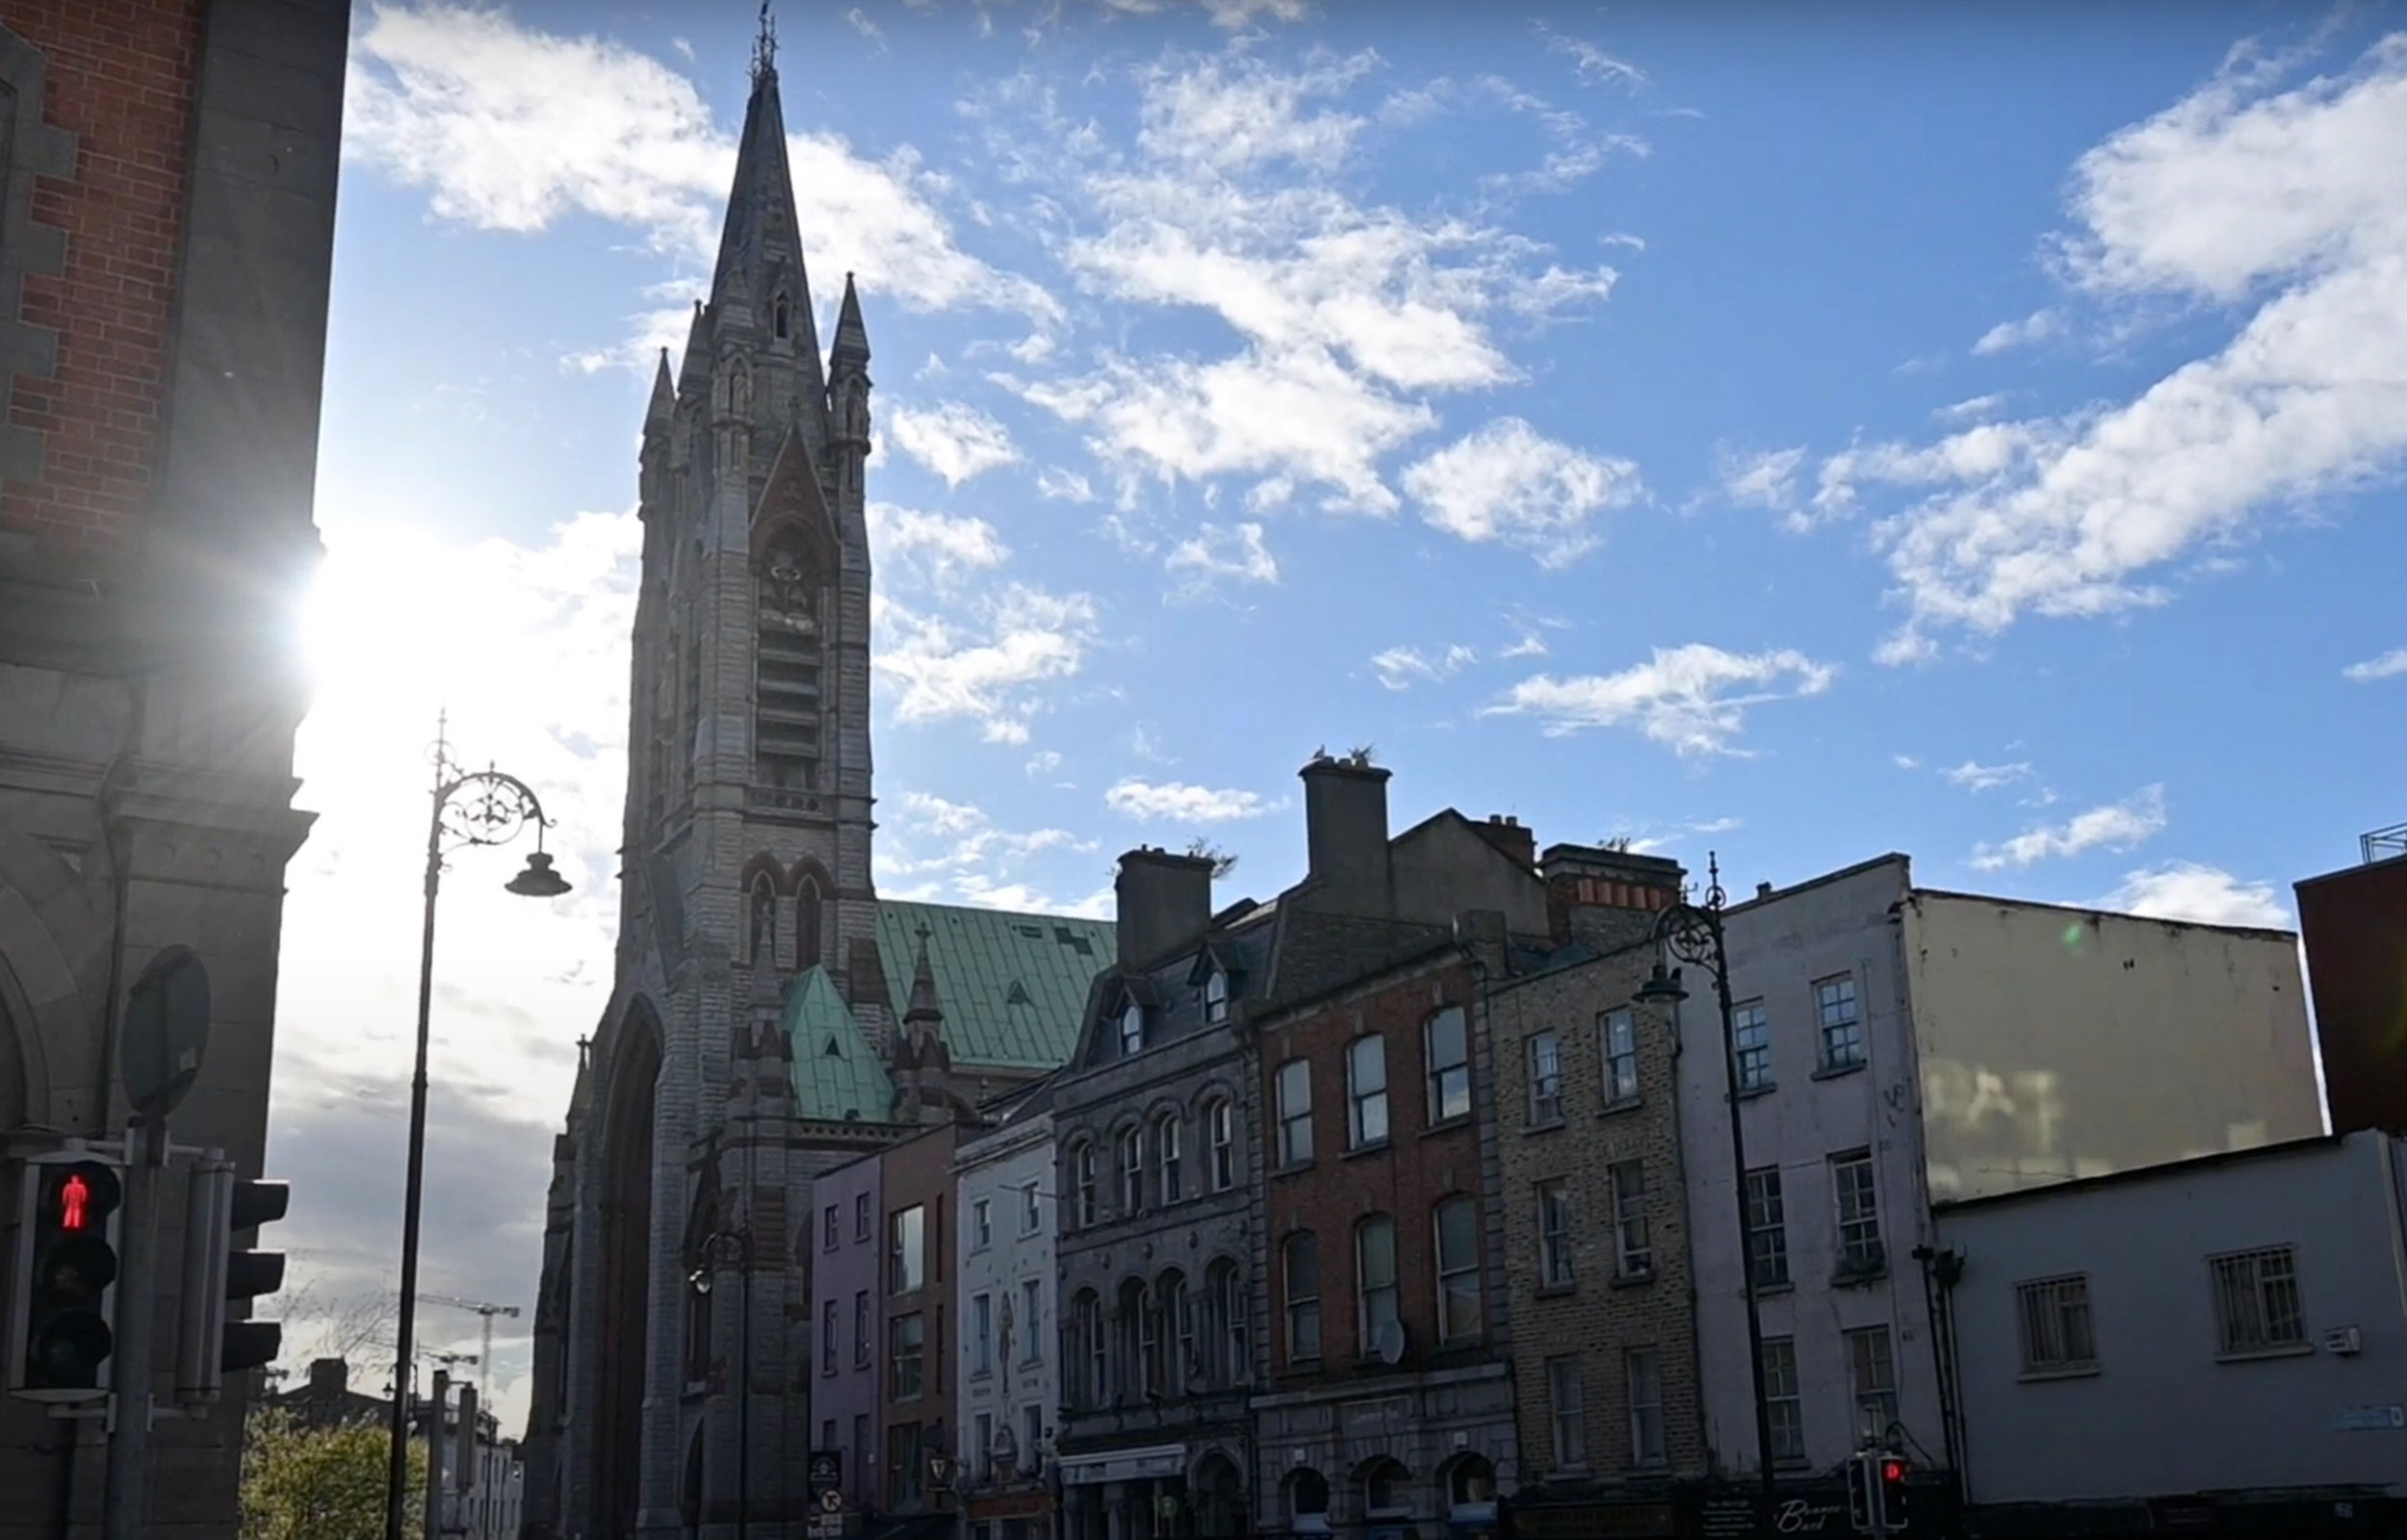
x=1895, y=1513
x=217, y=1273
x=66, y=1268
x=1863, y=1493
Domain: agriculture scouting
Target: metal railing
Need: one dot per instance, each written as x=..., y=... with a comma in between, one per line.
x=2384, y=844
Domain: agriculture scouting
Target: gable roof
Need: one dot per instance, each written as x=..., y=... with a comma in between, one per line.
x=837, y=1074
x=1014, y=986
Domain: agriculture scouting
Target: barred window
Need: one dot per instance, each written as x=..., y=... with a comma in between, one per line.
x=2256, y=1298
x=2055, y=1316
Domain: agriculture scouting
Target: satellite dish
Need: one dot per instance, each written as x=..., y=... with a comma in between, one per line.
x=1390, y=1344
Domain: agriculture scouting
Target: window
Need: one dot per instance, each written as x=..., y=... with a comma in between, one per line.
x=827, y=1229
x=1222, y=1120
x=982, y=1445
x=1177, y=1334
x=1295, y=1113
x=1783, y=1400
x=1859, y=1217
x=2055, y=1314
x=1385, y=1490
x=1132, y=1159
x=1618, y=1033
x=1545, y=1079
x=1554, y=1234
x=1229, y=1318
x=906, y=1250
x=1308, y=1501
x=861, y=1328
x=761, y=944
x=1567, y=1407
x=1215, y=997
x=1634, y=1258
x=1131, y=1029
x=861, y=1451
x=1458, y=1269
x=1031, y=1434
x=1644, y=1371
x=1375, y=1278
x=1303, y=1266
x=861, y=1217
x=1446, y=1049
x=1088, y=1349
x=2256, y=1300
x=808, y=947
x=1032, y=1322
x=1136, y=1338
x=1842, y=1033
x=827, y=1433
x=1170, y=1173
x=1752, y=1036
x=905, y=1463
x=909, y=1343
x=981, y=1225
x=1031, y=1209
x=1366, y=1092
x=1082, y=1181
x=982, y=1334
x=1766, y=1228
x=783, y=325
x=1871, y=1381
x=827, y=1337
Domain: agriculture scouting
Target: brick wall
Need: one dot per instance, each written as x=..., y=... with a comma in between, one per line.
x=119, y=75
x=1599, y=1318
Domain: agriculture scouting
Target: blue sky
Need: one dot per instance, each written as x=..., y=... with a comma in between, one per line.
x=1801, y=432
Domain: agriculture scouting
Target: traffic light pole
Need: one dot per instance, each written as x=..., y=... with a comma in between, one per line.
x=129, y=1371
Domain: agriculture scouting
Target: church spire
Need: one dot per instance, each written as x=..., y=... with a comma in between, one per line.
x=765, y=47
x=923, y=1007
x=852, y=338
x=664, y=405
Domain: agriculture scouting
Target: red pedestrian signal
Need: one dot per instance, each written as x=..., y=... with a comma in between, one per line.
x=58, y=1339
x=1893, y=1470
x=74, y=1201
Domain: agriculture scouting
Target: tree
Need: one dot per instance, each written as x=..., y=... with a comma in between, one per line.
x=304, y=1483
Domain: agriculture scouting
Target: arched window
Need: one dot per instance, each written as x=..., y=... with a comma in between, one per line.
x=1220, y=1499
x=1386, y=1490
x=1366, y=1092
x=783, y=323
x=1179, y=1368
x=786, y=659
x=1228, y=1360
x=1215, y=997
x=1300, y=1265
x=1458, y=1269
x=1129, y=1323
x=1220, y=1131
x=1131, y=1167
x=1471, y=1487
x=698, y=1326
x=1308, y=1501
x=1131, y=1030
x=763, y=931
x=1168, y=1167
x=1088, y=1349
x=1082, y=1182
x=1375, y=1280
x=807, y=944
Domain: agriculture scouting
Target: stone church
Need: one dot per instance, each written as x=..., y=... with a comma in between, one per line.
x=773, y=1016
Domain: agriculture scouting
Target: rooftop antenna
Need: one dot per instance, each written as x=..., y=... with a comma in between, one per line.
x=765, y=47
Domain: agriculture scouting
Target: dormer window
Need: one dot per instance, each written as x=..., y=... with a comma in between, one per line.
x=1131, y=1029
x=1215, y=997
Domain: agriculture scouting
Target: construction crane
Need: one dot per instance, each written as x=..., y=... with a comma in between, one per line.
x=483, y=1359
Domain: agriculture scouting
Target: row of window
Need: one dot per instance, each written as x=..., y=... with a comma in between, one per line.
x=1454, y=1224
x=1159, y=1338
x=1028, y=1198
x=1838, y=1033
x=1446, y=1088
x=1616, y=1048
x=1632, y=1252
x=995, y=1329
x=2256, y=1310
x=830, y=1237
x=1129, y=1026
x=1162, y=1180
x=1855, y=1214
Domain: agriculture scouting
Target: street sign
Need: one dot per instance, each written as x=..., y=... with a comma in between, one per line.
x=166, y=1032
x=826, y=1470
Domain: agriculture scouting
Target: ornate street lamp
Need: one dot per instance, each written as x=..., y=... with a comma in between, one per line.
x=469, y=808
x=1692, y=934
x=733, y=1249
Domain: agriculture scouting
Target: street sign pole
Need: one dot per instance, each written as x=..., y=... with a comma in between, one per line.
x=129, y=1374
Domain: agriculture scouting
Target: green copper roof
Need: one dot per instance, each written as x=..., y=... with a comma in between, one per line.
x=1012, y=987
x=837, y=1074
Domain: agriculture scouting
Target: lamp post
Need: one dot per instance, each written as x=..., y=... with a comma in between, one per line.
x=733, y=1249
x=467, y=808
x=1693, y=933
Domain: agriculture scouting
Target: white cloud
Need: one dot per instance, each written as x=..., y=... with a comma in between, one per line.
x=1693, y=699
x=1971, y=409
x=1975, y=777
x=1178, y=802
x=2290, y=205
x=2116, y=826
x=1506, y=481
x=1215, y=553
x=952, y=439
x=940, y=848
x=1593, y=63
x=860, y=22
x=2390, y=665
x=1068, y=486
x=985, y=673
x=1765, y=479
x=511, y=128
x=2204, y=895
x=938, y=546
x=2036, y=327
x=1398, y=667
x=1905, y=761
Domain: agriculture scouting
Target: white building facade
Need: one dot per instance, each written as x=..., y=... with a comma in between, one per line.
x=2220, y=1334
x=1008, y=1328
x=1897, y=1044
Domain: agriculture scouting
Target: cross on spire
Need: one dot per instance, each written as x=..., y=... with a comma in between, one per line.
x=764, y=46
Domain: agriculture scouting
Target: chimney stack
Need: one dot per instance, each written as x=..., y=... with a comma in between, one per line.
x=1345, y=829
x=1505, y=832
x=328, y=1376
x=1608, y=898
x=1162, y=900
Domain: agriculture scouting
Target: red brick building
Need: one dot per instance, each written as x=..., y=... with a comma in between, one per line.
x=2353, y=923
x=167, y=213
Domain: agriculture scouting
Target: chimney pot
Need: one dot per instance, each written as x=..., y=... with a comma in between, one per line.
x=1763, y=889
x=1162, y=900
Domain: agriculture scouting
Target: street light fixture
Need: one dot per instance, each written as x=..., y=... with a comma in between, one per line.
x=1693, y=934
x=467, y=808
x=733, y=1249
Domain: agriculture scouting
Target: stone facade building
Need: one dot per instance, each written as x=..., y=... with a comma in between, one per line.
x=766, y=1022
x=1595, y=1210
x=1009, y=1360
x=168, y=179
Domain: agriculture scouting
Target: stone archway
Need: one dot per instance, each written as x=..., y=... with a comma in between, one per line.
x=54, y=959
x=622, y=1333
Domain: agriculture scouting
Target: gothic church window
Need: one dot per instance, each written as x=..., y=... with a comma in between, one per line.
x=763, y=929
x=807, y=944
x=783, y=323
x=787, y=674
